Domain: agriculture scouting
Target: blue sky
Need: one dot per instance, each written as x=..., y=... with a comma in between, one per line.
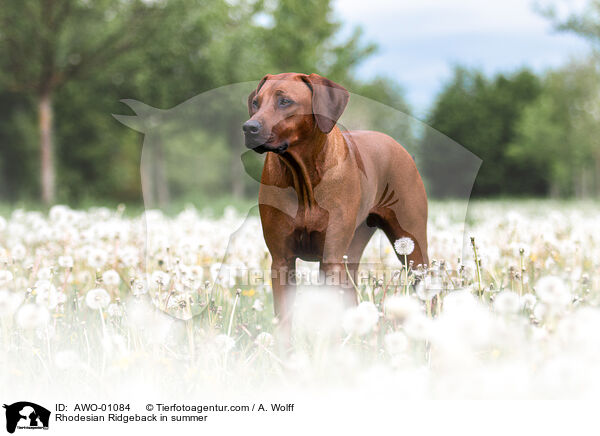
x=419, y=41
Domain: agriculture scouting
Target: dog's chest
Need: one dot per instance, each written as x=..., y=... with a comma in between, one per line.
x=308, y=236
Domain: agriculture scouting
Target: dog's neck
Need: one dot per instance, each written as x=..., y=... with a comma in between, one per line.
x=308, y=160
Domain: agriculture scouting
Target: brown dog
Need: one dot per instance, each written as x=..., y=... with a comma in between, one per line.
x=323, y=192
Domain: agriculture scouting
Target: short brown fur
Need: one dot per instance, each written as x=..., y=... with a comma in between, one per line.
x=323, y=192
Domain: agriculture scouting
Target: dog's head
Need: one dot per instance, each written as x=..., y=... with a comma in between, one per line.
x=288, y=108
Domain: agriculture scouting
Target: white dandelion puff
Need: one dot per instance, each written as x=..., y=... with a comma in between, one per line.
x=258, y=305
x=65, y=261
x=418, y=328
x=400, y=307
x=111, y=277
x=429, y=288
x=160, y=278
x=265, y=340
x=507, y=302
x=97, y=298
x=5, y=277
x=360, y=320
x=114, y=310
x=97, y=258
x=47, y=295
x=44, y=274
x=404, y=246
x=528, y=301
x=18, y=252
x=139, y=287
x=553, y=291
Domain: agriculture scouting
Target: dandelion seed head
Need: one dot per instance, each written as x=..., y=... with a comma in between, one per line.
x=418, y=328
x=553, y=291
x=97, y=299
x=5, y=277
x=139, y=287
x=114, y=310
x=97, y=258
x=18, y=252
x=400, y=307
x=428, y=288
x=258, y=305
x=404, y=246
x=360, y=320
x=65, y=261
x=265, y=339
x=507, y=302
x=111, y=278
x=160, y=278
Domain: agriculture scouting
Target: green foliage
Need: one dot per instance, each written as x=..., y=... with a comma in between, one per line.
x=535, y=135
x=301, y=37
x=18, y=147
x=585, y=24
x=560, y=135
x=480, y=114
x=91, y=54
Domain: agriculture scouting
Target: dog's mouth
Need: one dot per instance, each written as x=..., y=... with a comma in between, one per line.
x=263, y=148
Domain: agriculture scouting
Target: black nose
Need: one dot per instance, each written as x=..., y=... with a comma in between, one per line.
x=251, y=127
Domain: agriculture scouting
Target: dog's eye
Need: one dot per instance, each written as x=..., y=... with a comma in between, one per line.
x=284, y=102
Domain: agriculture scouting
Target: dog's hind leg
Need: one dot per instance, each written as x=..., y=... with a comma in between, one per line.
x=386, y=219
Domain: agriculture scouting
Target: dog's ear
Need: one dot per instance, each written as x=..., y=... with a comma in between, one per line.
x=328, y=101
x=253, y=93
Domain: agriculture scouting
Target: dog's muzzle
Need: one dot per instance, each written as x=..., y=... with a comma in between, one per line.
x=254, y=140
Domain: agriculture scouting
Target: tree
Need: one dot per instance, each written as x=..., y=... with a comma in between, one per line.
x=284, y=36
x=48, y=43
x=585, y=24
x=480, y=114
x=301, y=36
x=559, y=133
x=73, y=60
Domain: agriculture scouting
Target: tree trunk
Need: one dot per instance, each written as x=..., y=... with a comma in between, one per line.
x=146, y=172
x=597, y=175
x=162, y=183
x=47, y=177
x=235, y=164
x=554, y=190
x=237, y=175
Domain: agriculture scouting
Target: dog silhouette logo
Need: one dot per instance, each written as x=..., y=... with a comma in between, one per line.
x=26, y=415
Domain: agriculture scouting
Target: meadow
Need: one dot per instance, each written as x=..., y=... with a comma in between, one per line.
x=104, y=301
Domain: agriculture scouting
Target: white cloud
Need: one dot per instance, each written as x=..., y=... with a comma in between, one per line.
x=419, y=40
x=439, y=17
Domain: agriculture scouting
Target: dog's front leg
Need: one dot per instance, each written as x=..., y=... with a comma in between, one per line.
x=283, y=279
x=335, y=276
